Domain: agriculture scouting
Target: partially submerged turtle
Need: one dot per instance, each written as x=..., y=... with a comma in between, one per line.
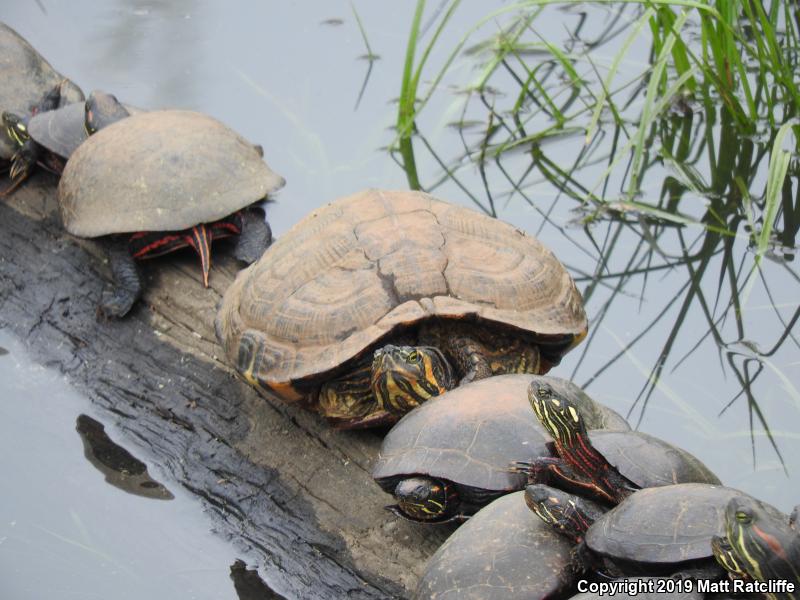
x=656, y=531
x=765, y=544
x=502, y=553
x=62, y=130
x=28, y=84
x=607, y=466
x=447, y=458
x=379, y=301
x=162, y=180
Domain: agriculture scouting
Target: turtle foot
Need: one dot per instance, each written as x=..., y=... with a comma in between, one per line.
x=115, y=303
x=255, y=238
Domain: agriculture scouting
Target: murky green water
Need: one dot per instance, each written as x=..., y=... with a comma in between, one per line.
x=288, y=76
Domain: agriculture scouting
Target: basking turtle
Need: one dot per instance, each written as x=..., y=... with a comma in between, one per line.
x=656, y=531
x=447, y=458
x=764, y=542
x=607, y=466
x=28, y=84
x=502, y=553
x=162, y=180
x=62, y=130
x=725, y=555
x=379, y=301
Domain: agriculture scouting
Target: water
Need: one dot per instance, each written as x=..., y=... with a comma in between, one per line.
x=288, y=76
x=65, y=532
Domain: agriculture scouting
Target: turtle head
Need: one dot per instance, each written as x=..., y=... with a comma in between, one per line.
x=764, y=544
x=406, y=376
x=102, y=110
x=425, y=498
x=568, y=514
x=16, y=128
x=726, y=557
x=560, y=417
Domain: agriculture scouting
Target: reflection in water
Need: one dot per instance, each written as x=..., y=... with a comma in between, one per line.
x=685, y=266
x=248, y=584
x=120, y=467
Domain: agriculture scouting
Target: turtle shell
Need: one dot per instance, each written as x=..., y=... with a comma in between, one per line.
x=471, y=434
x=160, y=171
x=25, y=77
x=61, y=131
x=661, y=525
x=356, y=270
x=649, y=461
x=504, y=552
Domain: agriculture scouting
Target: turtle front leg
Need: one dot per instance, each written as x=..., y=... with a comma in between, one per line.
x=118, y=298
x=255, y=238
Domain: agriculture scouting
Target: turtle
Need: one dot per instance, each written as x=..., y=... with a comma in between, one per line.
x=656, y=531
x=445, y=459
x=724, y=553
x=607, y=466
x=381, y=300
x=162, y=180
x=62, y=130
x=765, y=544
x=28, y=84
x=501, y=553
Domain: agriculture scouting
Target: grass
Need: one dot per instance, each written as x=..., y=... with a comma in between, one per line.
x=688, y=148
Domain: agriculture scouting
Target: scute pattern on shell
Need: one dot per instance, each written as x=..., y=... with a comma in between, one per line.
x=649, y=461
x=160, y=171
x=352, y=271
x=504, y=552
x=24, y=78
x=471, y=434
x=663, y=524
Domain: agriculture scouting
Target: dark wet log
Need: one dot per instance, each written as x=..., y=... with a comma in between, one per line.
x=275, y=479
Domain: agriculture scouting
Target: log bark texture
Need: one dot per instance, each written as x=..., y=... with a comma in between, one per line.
x=275, y=479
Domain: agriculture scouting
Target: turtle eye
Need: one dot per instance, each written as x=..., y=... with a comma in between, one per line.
x=413, y=356
x=743, y=516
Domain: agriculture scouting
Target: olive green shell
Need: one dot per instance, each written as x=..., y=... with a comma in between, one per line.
x=649, y=461
x=353, y=271
x=61, y=131
x=504, y=552
x=471, y=434
x=663, y=524
x=160, y=171
x=25, y=77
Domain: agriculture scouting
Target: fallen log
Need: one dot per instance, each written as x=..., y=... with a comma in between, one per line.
x=275, y=479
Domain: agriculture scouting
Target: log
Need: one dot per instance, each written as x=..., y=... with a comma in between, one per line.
x=290, y=492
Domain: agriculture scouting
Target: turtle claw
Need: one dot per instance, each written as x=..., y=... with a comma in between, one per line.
x=523, y=467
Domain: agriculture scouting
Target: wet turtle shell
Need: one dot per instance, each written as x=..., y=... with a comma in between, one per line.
x=160, y=171
x=469, y=436
x=502, y=553
x=61, y=131
x=25, y=77
x=608, y=465
x=369, y=266
x=648, y=461
x=663, y=526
